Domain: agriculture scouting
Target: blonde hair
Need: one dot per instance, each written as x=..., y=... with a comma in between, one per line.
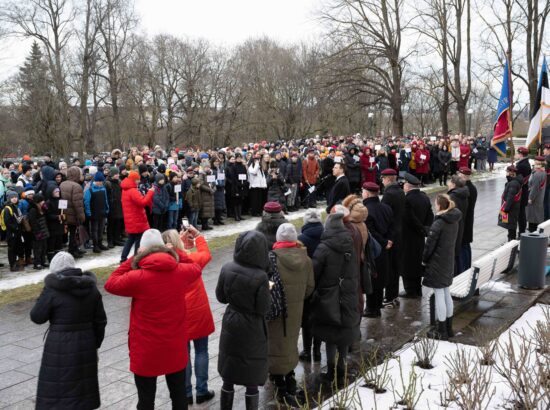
x=172, y=237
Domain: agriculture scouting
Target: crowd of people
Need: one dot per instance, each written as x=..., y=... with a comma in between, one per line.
x=319, y=282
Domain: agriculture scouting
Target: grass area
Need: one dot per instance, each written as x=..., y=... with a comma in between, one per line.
x=29, y=292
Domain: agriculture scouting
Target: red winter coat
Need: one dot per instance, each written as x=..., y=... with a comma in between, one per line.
x=368, y=168
x=157, y=284
x=200, y=322
x=422, y=165
x=464, y=156
x=133, y=207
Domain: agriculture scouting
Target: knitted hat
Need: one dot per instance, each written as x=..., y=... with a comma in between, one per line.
x=133, y=175
x=286, y=233
x=99, y=177
x=272, y=207
x=87, y=163
x=62, y=261
x=151, y=237
x=114, y=171
x=11, y=194
x=312, y=216
x=93, y=170
x=159, y=177
x=142, y=168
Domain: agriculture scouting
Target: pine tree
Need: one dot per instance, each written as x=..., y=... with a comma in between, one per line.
x=38, y=109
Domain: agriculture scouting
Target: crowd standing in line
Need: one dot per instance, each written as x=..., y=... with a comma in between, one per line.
x=322, y=280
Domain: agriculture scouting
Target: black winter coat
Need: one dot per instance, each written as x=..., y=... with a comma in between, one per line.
x=38, y=222
x=311, y=236
x=161, y=199
x=55, y=226
x=444, y=160
x=460, y=198
x=353, y=169
x=524, y=169
x=468, y=235
x=72, y=304
x=418, y=218
x=512, y=191
x=394, y=197
x=244, y=286
x=114, y=197
x=439, y=250
x=339, y=192
x=239, y=188
x=276, y=188
x=380, y=220
x=219, y=195
x=334, y=312
x=268, y=226
x=293, y=173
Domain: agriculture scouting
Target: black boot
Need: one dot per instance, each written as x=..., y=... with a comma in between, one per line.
x=226, y=400
x=439, y=332
x=252, y=401
x=316, y=350
x=449, y=323
x=236, y=211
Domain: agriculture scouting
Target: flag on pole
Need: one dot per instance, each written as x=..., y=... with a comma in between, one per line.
x=503, y=121
x=541, y=117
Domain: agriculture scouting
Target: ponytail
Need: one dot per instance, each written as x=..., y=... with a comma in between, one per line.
x=444, y=202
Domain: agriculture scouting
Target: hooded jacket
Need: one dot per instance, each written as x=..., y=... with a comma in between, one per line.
x=72, y=191
x=334, y=311
x=268, y=226
x=511, y=199
x=311, y=236
x=133, y=207
x=439, y=250
x=296, y=272
x=244, y=286
x=47, y=181
x=72, y=304
x=55, y=226
x=460, y=197
x=161, y=197
x=157, y=280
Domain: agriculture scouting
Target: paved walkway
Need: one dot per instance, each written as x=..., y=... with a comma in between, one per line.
x=21, y=341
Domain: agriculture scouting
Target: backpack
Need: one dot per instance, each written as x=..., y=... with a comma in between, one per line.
x=2, y=222
x=278, y=307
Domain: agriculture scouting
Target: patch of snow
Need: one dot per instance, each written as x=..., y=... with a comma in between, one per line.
x=416, y=323
x=499, y=286
x=433, y=381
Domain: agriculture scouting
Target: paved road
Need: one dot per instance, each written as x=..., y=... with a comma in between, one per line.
x=21, y=341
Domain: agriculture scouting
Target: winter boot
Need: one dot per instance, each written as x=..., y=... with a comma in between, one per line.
x=252, y=401
x=226, y=400
x=439, y=332
x=102, y=247
x=236, y=211
x=449, y=324
x=316, y=350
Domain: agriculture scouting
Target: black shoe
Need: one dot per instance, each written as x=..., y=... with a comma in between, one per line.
x=45, y=265
x=37, y=267
x=305, y=357
x=216, y=223
x=189, y=400
x=449, y=326
x=439, y=332
x=102, y=247
x=123, y=260
x=119, y=243
x=226, y=400
x=372, y=313
x=205, y=397
x=220, y=222
x=110, y=245
x=390, y=304
x=96, y=250
x=76, y=255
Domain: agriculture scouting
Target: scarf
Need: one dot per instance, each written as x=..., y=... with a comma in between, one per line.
x=285, y=245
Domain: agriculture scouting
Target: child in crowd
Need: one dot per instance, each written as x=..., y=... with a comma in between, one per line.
x=55, y=221
x=193, y=199
x=96, y=207
x=175, y=200
x=11, y=218
x=24, y=205
x=39, y=226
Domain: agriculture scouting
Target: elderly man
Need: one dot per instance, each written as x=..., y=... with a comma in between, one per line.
x=534, y=211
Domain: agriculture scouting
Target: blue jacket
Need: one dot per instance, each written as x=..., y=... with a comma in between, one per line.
x=161, y=199
x=88, y=199
x=24, y=206
x=311, y=236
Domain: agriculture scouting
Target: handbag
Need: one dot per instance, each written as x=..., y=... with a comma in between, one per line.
x=375, y=247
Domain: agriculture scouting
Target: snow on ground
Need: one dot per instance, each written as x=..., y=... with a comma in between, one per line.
x=112, y=256
x=434, y=381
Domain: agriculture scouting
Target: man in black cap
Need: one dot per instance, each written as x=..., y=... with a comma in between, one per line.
x=418, y=218
x=341, y=188
x=380, y=226
x=523, y=168
x=394, y=196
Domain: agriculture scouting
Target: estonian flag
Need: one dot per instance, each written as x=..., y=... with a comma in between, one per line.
x=541, y=117
x=503, y=121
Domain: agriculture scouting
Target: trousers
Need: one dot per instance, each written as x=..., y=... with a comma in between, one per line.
x=147, y=389
x=443, y=304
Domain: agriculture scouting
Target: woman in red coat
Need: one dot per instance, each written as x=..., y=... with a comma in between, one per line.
x=464, y=154
x=133, y=208
x=200, y=322
x=157, y=280
x=422, y=160
x=368, y=166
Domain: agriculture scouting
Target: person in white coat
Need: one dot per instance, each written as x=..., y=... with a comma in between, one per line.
x=258, y=185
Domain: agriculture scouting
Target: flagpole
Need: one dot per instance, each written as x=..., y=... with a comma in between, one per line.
x=511, y=137
x=541, y=112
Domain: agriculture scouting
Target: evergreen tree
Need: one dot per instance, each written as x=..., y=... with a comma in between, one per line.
x=38, y=110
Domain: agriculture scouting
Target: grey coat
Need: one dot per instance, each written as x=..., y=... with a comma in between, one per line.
x=207, y=197
x=534, y=211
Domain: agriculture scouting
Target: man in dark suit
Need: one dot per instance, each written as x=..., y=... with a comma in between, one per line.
x=468, y=234
x=380, y=226
x=523, y=168
x=394, y=196
x=340, y=190
x=418, y=218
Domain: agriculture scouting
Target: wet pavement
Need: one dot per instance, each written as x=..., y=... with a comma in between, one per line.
x=21, y=341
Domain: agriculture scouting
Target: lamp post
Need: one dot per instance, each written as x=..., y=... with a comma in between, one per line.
x=470, y=113
x=370, y=116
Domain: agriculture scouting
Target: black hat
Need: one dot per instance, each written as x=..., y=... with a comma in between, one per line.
x=411, y=179
x=142, y=168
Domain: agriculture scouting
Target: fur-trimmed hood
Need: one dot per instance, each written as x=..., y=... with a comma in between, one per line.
x=165, y=260
x=72, y=280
